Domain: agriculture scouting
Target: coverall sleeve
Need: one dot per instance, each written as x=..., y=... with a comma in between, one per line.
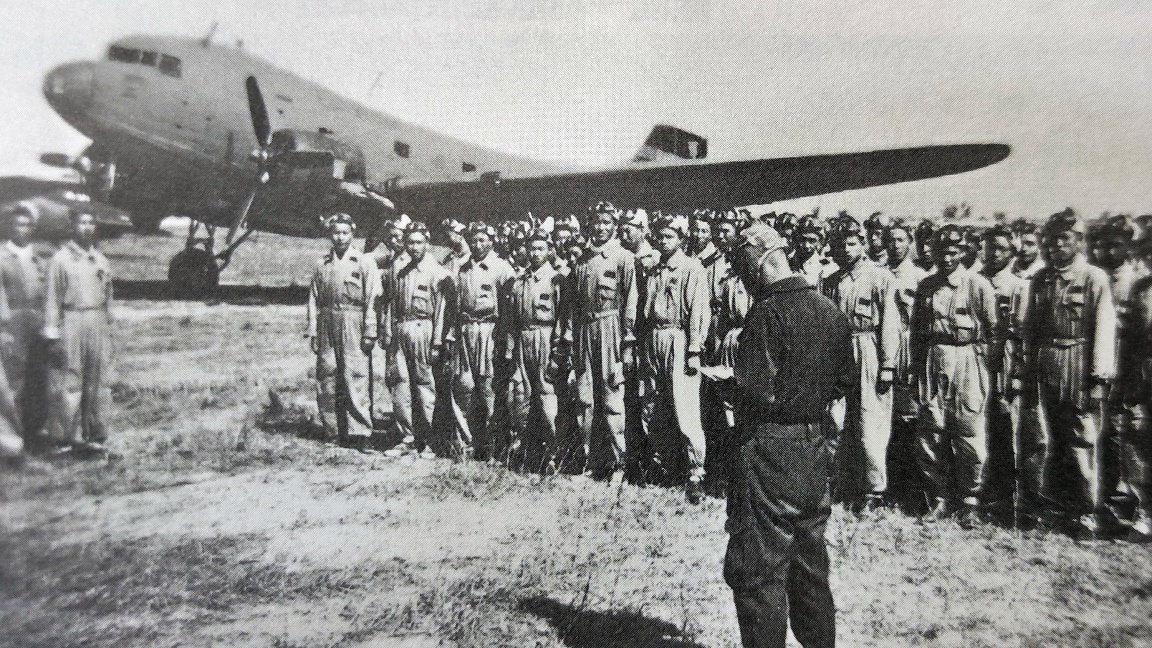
x=889, y=321
x=54, y=299
x=371, y=276
x=445, y=293
x=384, y=313
x=1104, y=334
x=313, y=296
x=986, y=299
x=698, y=299
x=627, y=271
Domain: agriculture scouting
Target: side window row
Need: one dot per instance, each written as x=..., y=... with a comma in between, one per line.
x=169, y=65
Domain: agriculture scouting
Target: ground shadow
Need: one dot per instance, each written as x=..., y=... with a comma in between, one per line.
x=615, y=629
x=154, y=290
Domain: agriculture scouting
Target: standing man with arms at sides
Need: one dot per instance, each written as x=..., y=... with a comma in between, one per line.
x=795, y=358
x=865, y=293
x=603, y=329
x=634, y=238
x=22, y=275
x=78, y=327
x=471, y=341
x=1136, y=444
x=1015, y=447
x=954, y=315
x=674, y=324
x=342, y=325
x=389, y=254
x=535, y=330
x=412, y=330
x=901, y=449
x=1070, y=339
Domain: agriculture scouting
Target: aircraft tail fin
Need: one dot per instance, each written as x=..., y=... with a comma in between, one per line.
x=670, y=144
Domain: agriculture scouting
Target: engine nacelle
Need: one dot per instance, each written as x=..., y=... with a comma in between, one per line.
x=301, y=150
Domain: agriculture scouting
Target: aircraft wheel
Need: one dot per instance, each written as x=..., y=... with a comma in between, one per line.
x=193, y=273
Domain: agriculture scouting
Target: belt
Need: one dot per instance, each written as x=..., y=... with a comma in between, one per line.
x=77, y=309
x=944, y=340
x=468, y=319
x=1064, y=343
x=413, y=318
x=537, y=326
x=592, y=317
x=665, y=326
x=776, y=430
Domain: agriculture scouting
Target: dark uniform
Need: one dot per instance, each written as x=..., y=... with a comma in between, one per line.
x=795, y=354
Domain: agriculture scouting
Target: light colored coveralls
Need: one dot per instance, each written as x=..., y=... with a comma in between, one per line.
x=535, y=328
x=866, y=295
x=674, y=321
x=341, y=312
x=953, y=319
x=76, y=312
x=411, y=324
x=603, y=320
x=22, y=275
x=1070, y=341
x=480, y=287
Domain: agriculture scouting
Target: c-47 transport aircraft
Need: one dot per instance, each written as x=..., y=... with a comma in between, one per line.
x=185, y=126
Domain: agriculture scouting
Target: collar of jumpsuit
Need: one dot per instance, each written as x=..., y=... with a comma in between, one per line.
x=1079, y=262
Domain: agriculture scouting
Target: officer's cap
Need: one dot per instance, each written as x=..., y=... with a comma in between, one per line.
x=1001, y=230
x=1064, y=221
x=676, y=223
x=416, y=227
x=950, y=236
x=1119, y=228
x=809, y=225
x=480, y=227
x=540, y=234
x=636, y=218
x=760, y=236
x=604, y=207
x=339, y=218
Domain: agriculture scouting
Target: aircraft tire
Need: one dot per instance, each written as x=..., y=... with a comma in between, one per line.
x=193, y=273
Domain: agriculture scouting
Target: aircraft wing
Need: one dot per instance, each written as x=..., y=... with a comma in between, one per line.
x=50, y=202
x=684, y=187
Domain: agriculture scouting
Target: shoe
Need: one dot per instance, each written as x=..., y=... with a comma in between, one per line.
x=399, y=450
x=1141, y=530
x=1087, y=527
x=938, y=511
x=427, y=453
x=693, y=492
x=969, y=516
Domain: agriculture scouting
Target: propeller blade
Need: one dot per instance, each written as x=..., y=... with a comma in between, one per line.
x=260, y=123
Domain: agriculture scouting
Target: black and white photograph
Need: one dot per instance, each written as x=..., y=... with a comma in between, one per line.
x=576, y=324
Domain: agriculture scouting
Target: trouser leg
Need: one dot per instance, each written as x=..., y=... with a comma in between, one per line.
x=1000, y=468
x=463, y=386
x=1031, y=455
x=969, y=451
x=358, y=400
x=810, y=605
x=1072, y=472
x=326, y=388
x=932, y=449
x=876, y=430
x=401, y=391
x=685, y=398
x=1137, y=452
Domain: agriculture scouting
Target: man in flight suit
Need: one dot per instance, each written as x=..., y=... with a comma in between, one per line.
x=807, y=259
x=22, y=275
x=535, y=329
x=953, y=317
x=412, y=330
x=471, y=341
x=603, y=339
x=674, y=326
x=634, y=238
x=342, y=325
x=866, y=294
x=78, y=327
x=795, y=358
x=1070, y=341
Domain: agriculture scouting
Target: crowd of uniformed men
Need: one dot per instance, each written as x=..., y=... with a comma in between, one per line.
x=1001, y=373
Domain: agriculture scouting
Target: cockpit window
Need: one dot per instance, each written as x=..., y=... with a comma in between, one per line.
x=148, y=58
x=123, y=54
x=170, y=65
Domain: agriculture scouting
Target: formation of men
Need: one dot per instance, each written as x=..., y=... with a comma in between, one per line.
x=998, y=373
x=55, y=342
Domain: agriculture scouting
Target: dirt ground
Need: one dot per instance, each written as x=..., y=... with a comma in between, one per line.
x=221, y=522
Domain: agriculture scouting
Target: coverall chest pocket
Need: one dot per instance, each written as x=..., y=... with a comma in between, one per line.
x=1074, y=304
x=1004, y=307
x=606, y=286
x=354, y=288
x=543, y=304
x=485, y=298
x=964, y=324
x=421, y=301
x=863, y=310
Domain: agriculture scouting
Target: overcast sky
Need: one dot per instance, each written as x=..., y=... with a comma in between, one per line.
x=1067, y=84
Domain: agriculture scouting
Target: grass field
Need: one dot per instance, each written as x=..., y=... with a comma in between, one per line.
x=221, y=523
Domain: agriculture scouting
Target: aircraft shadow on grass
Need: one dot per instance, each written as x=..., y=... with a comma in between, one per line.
x=615, y=629
x=159, y=290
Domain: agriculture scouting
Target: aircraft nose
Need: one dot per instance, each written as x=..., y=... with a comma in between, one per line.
x=69, y=85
